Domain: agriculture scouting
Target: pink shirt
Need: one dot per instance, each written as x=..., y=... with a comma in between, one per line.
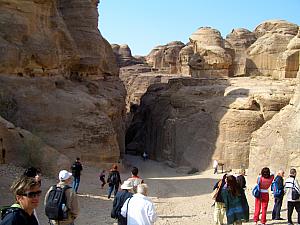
x=265, y=183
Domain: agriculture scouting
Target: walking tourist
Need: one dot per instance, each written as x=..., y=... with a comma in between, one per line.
x=139, y=209
x=219, y=206
x=135, y=179
x=119, y=200
x=237, y=208
x=113, y=180
x=76, y=172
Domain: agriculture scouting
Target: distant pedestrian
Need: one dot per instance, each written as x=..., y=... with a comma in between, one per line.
x=102, y=178
x=279, y=198
x=113, y=180
x=237, y=208
x=27, y=192
x=139, y=209
x=76, y=172
x=241, y=178
x=145, y=156
x=261, y=204
x=135, y=179
x=290, y=183
x=215, y=166
x=119, y=200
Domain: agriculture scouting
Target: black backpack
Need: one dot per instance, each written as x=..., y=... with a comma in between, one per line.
x=114, y=179
x=56, y=208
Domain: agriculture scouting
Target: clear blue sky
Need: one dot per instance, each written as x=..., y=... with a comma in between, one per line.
x=144, y=24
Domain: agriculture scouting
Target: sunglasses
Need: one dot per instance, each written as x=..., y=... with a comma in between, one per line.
x=32, y=194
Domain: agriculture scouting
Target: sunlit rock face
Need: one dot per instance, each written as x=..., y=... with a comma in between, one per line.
x=165, y=57
x=53, y=37
x=276, y=144
x=189, y=121
x=210, y=57
x=267, y=56
x=238, y=41
x=61, y=76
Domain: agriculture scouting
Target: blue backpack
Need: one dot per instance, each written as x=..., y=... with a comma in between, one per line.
x=256, y=190
x=274, y=188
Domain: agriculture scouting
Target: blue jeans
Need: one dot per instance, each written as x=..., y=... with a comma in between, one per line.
x=76, y=182
x=111, y=187
x=277, y=207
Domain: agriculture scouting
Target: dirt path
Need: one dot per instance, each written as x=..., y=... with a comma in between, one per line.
x=179, y=199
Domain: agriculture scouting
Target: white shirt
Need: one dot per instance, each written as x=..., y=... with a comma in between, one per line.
x=289, y=183
x=215, y=165
x=140, y=210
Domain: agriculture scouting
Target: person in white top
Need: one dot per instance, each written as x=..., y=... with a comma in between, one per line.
x=215, y=166
x=139, y=210
x=291, y=183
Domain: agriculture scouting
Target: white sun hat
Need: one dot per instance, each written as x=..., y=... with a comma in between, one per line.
x=126, y=185
x=64, y=175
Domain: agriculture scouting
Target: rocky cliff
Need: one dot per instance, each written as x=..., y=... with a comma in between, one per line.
x=59, y=82
x=190, y=121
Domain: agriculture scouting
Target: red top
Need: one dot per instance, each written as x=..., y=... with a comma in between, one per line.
x=265, y=183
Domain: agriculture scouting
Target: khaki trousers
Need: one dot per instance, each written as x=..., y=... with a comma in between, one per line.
x=219, y=213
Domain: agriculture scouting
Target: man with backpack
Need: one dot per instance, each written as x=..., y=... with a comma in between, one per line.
x=292, y=188
x=113, y=180
x=119, y=200
x=76, y=172
x=277, y=188
x=61, y=204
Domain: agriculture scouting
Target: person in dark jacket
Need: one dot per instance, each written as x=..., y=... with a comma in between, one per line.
x=119, y=202
x=76, y=172
x=219, y=210
x=27, y=193
x=113, y=180
x=278, y=199
x=240, y=179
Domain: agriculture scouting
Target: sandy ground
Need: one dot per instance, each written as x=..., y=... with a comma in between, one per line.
x=179, y=198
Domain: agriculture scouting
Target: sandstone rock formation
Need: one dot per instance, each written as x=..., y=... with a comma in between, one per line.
x=61, y=79
x=239, y=40
x=165, y=57
x=185, y=56
x=210, y=58
x=22, y=148
x=190, y=121
x=49, y=38
x=124, y=57
x=187, y=122
x=276, y=144
x=273, y=38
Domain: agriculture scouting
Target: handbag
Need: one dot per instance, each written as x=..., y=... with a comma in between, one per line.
x=256, y=190
x=295, y=192
x=215, y=192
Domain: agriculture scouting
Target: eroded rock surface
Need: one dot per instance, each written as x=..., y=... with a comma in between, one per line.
x=190, y=121
x=59, y=80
